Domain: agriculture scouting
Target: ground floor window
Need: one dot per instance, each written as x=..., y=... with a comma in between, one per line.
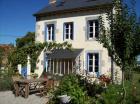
x=60, y=66
x=93, y=62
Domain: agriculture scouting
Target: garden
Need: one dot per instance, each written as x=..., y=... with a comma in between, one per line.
x=122, y=42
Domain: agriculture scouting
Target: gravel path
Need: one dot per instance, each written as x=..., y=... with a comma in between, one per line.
x=8, y=97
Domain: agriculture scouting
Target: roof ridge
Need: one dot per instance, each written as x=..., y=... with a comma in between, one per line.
x=64, y=5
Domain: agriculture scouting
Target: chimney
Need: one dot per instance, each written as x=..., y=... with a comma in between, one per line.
x=52, y=2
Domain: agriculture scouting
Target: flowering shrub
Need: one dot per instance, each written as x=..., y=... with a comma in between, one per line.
x=105, y=79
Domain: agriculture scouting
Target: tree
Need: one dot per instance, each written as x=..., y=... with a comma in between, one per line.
x=28, y=39
x=121, y=38
x=1, y=56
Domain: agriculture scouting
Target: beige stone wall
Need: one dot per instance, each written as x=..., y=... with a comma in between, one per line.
x=80, y=41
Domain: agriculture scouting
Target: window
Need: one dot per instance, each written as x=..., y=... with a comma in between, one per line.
x=93, y=29
x=50, y=32
x=68, y=31
x=93, y=62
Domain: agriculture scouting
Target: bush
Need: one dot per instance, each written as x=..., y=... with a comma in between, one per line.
x=70, y=86
x=93, y=89
x=6, y=80
x=137, y=69
x=6, y=84
x=114, y=95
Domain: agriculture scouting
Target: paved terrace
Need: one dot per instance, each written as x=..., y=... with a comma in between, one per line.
x=8, y=97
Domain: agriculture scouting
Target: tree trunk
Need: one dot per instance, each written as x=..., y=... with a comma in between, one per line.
x=112, y=70
x=123, y=85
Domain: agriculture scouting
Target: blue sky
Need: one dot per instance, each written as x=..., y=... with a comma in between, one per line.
x=16, y=17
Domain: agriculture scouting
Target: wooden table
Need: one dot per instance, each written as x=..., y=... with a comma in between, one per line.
x=26, y=85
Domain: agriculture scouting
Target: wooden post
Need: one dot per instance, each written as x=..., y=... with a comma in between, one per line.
x=72, y=66
x=17, y=89
x=26, y=90
x=53, y=66
x=57, y=67
x=60, y=67
x=64, y=67
x=50, y=66
x=68, y=67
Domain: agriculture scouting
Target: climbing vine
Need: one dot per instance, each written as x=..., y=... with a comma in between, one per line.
x=19, y=55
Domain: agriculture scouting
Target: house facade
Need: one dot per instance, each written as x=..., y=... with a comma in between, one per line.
x=77, y=22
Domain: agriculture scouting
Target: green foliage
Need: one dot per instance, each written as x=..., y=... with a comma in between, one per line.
x=6, y=80
x=121, y=36
x=28, y=39
x=137, y=69
x=113, y=94
x=6, y=84
x=70, y=86
x=19, y=55
x=1, y=55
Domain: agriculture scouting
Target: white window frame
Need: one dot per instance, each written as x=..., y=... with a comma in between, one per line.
x=70, y=27
x=50, y=32
x=93, y=26
x=93, y=62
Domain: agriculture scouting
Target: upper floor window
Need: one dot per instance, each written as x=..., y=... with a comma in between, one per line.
x=93, y=29
x=50, y=32
x=68, y=31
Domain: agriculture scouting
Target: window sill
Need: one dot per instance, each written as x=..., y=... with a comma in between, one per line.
x=68, y=40
x=50, y=40
x=92, y=39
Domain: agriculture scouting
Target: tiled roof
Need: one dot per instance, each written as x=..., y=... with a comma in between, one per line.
x=64, y=54
x=72, y=4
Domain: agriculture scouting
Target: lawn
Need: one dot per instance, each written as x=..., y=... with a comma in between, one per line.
x=136, y=82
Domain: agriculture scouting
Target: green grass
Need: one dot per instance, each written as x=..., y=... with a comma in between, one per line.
x=136, y=81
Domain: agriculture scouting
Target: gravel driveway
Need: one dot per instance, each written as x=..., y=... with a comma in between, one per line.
x=8, y=97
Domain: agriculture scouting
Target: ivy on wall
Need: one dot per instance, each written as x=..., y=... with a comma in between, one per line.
x=19, y=55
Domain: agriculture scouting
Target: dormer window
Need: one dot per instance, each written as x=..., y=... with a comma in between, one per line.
x=68, y=31
x=93, y=29
x=50, y=32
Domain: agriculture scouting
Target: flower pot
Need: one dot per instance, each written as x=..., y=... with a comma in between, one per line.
x=64, y=99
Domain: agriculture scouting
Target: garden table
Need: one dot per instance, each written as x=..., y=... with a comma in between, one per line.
x=25, y=86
